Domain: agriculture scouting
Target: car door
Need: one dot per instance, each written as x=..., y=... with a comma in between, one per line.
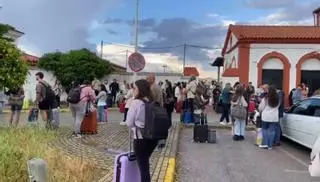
x=300, y=123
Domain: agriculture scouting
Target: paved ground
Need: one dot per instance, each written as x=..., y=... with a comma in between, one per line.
x=229, y=161
x=102, y=148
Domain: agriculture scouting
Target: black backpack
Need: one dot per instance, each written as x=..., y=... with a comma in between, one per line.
x=157, y=122
x=74, y=95
x=50, y=95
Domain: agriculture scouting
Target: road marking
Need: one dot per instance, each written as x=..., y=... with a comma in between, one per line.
x=295, y=171
x=294, y=157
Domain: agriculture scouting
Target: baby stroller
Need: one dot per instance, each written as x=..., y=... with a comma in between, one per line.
x=252, y=110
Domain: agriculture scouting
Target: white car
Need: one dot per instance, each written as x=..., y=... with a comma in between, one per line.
x=301, y=123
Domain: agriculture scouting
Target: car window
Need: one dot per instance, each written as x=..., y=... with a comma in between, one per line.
x=301, y=108
x=315, y=106
x=309, y=107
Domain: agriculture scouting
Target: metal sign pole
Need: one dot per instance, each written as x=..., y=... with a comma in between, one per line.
x=136, y=34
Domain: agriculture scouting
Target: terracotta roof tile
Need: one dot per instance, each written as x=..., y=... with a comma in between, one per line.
x=33, y=60
x=190, y=71
x=243, y=32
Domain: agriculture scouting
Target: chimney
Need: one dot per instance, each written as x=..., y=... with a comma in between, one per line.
x=316, y=16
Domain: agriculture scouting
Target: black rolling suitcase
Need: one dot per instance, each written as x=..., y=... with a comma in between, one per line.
x=200, y=129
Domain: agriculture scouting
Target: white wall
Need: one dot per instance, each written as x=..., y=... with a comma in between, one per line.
x=311, y=64
x=129, y=78
x=234, y=54
x=273, y=63
x=292, y=51
x=231, y=80
x=30, y=84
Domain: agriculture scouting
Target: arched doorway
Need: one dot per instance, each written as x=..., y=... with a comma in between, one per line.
x=308, y=71
x=271, y=71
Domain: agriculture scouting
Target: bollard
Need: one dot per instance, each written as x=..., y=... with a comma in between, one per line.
x=38, y=170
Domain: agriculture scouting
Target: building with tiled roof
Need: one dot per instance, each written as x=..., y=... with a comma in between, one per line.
x=191, y=71
x=281, y=55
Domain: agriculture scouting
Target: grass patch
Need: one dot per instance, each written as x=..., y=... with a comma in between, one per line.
x=18, y=145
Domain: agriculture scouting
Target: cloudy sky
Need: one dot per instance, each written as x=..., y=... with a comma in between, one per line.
x=165, y=25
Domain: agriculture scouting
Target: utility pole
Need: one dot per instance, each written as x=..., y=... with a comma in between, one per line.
x=136, y=34
x=126, y=60
x=101, y=49
x=184, y=57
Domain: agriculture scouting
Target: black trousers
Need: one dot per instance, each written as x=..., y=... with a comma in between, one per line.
x=225, y=113
x=143, y=149
x=125, y=114
x=114, y=96
x=191, y=107
x=58, y=100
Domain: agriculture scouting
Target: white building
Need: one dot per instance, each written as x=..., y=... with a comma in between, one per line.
x=281, y=55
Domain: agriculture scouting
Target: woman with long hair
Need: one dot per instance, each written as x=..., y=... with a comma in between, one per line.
x=269, y=109
x=239, y=124
x=101, y=103
x=143, y=148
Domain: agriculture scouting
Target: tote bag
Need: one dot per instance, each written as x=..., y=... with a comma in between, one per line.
x=314, y=167
x=239, y=111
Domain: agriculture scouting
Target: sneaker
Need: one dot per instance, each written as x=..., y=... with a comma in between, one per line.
x=77, y=136
x=241, y=137
x=222, y=123
x=269, y=148
x=263, y=146
x=123, y=123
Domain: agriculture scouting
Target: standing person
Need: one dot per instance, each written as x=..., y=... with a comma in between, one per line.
x=239, y=124
x=191, y=94
x=78, y=110
x=168, y=98
x=42, y=99
x=177, y=94
x=129, y=98
x=143, y=148
x=297, y=95
x=278, y=124
x=2, y=99
x=269, y=109
x=101, y=101
x=216, y=94
x=124, y=87
x=57, y=88
x=156, y=91
x=16, y=101
x=114, y=89
x=225, y=101
x=304, y=90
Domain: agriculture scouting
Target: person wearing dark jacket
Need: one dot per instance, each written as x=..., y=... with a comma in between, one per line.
x=281, y=111
x=114, y=89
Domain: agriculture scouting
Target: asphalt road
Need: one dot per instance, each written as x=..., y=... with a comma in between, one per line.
x=229, y=161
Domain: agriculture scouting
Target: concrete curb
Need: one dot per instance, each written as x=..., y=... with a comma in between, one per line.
x=5, y=111
x=223, y=127
x=171, y=168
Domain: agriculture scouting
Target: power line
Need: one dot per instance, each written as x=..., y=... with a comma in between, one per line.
x=209, y=48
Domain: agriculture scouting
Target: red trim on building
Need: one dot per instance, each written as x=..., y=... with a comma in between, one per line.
x=306, y=57
x=30, y=59
x=231, y=72
x=286, y=71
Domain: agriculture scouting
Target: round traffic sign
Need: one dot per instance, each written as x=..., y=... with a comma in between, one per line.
x=136, y=62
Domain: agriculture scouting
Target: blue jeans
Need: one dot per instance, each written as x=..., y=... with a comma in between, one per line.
x=277, y=133
x=101, y=114
x=268, y=133
x=239, y=127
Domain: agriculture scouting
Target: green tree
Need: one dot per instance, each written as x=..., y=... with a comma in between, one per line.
x=75, y=65
x=13, y=71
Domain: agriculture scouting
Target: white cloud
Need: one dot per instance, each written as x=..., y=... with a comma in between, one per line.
x=154, y=61
x=221, y=20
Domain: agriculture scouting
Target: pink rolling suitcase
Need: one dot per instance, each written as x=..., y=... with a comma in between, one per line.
x=126, y=167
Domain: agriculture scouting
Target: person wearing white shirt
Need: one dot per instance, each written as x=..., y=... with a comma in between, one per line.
x=129, y=98
x=269, y=109
x=177, y=94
